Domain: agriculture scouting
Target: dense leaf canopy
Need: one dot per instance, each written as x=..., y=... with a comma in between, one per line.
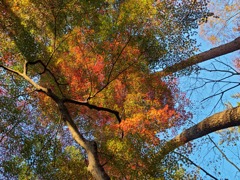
x=91, y=64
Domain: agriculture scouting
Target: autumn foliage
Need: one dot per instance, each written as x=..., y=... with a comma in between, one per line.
x=95, y=60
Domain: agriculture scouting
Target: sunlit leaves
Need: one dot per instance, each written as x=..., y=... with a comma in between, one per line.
x=98, y=54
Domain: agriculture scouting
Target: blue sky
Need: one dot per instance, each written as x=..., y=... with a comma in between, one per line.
x=205, y=154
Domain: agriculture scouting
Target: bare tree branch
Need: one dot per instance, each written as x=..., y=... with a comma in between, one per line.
x=223, y=154
x=189, y=160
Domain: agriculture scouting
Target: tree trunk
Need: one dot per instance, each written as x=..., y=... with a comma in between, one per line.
x=94, y=166
x=201, y=57
x=218, y=121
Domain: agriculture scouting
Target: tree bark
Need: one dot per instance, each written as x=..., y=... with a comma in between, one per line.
x=218, y=121
x=201, y=57
x=94, y=166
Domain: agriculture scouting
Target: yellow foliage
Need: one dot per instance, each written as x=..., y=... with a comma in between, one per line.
x=228, y=8
x=213, y=39
x=135, y=10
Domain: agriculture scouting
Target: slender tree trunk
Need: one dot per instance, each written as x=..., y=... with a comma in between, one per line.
x=201, y=57
x=94, y=166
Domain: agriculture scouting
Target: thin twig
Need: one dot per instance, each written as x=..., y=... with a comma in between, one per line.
x=223, y=154
x=193, y=163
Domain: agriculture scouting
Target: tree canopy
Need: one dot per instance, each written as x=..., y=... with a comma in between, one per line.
x=87, y=88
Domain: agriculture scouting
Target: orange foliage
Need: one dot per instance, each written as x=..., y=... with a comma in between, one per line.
x=148, y=124
x=116, y=76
